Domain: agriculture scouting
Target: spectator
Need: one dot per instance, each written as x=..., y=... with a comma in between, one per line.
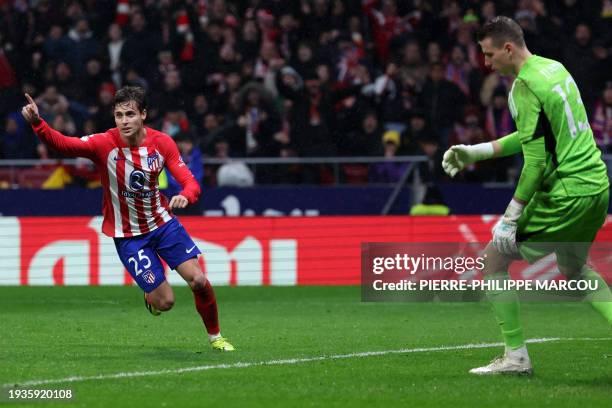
x=580, y=61
x=366, y=141
x=385, y=24
x=56, y=46
x=259, y=121
x=140, y=45
x=199, y=109
x=470, y=131
x=418, y=129
x=492, y=82
x=52, y=103
x=304, y=62
x=498, y=122
x=102, y=111
x=113, y=52
x=434, y=53
x=413, y=68
x=89, y=84
x=173, y=122
x=249, y=40
x=66, y=83
x=171, y=95
x=429, y=146
x=460, y=72
x=388, y=172
x=602, y=119
x=443, y=101
x=82, y=45
x=17, y=142
x=165, y=65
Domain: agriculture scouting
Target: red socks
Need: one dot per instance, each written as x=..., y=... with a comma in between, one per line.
x=206, y=305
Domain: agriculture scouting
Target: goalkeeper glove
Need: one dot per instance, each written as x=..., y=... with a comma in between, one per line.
x=459, y=156
x=504, y=232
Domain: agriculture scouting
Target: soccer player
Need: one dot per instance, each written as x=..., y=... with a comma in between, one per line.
x=562, y=193
x=137, y=216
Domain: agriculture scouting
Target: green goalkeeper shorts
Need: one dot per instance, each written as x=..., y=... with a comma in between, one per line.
x=566, y=226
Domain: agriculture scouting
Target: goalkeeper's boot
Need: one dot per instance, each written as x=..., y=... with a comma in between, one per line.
x=221, y=344
x=150, y=307
x=512, y=362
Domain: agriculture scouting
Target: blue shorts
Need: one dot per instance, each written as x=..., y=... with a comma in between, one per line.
x=140, y=255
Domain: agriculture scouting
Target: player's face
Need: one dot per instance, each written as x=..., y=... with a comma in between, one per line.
x=129, y=119
x=497, y=58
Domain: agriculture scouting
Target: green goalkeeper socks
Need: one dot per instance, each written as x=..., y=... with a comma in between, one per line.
x=600, y=299
x=506, y=309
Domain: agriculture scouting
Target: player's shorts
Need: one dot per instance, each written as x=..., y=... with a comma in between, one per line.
x=566, y=226
x=140, y=255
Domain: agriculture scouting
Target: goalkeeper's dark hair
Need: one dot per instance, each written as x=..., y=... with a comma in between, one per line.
x=500, y=30
x=131, y=93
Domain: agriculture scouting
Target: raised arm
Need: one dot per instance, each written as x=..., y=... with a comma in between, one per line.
x=69, y=146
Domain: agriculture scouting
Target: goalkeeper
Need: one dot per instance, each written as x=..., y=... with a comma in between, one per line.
x=561, y=199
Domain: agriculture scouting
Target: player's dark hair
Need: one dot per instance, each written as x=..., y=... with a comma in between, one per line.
x=502, y=29
x=131, y=93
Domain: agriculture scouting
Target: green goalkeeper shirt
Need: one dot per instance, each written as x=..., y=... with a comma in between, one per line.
x=561, y=158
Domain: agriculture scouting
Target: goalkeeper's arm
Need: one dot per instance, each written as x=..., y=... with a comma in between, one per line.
x=534, y=153
x=508, y=145
x=504, y=233
x=457, y=157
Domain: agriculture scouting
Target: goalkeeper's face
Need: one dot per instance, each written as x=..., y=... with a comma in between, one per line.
x=129, y=119
x=498, y=58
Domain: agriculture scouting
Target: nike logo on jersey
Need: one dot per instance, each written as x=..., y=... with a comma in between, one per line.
x=190, y=249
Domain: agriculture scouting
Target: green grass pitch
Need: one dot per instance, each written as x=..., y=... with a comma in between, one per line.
x=60, y=332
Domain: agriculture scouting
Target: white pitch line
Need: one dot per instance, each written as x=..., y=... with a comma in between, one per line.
x=289, y=361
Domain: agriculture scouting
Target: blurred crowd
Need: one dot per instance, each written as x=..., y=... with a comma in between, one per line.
x=292, y=78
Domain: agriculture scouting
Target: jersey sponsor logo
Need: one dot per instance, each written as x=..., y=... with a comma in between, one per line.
x=153, y=161
x=117, y=158
x=137, y=194
x=148, y=277
x=137, y=180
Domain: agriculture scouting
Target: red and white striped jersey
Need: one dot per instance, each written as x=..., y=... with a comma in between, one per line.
x=132, y=202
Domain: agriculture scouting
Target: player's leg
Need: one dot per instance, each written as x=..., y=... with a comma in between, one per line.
x=506, y=310
x=600, y=298
x=160, y=298
x=572, y=257
x=205, y=302
x=146, y=269
x=504, y=302
x=547, y=225
x=204, y=295
x=543, y=222
x=179, y=251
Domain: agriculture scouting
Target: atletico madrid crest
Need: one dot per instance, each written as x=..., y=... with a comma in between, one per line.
x=153, y=161
x=148, y=277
